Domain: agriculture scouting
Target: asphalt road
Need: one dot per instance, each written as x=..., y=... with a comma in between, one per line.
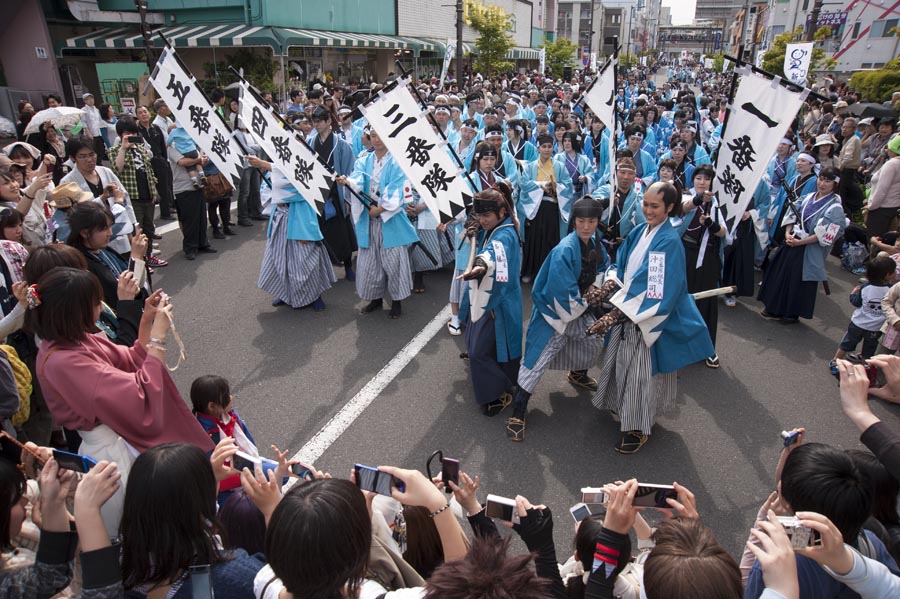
x=292, y=370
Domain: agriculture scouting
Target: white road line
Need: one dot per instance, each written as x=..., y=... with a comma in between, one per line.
x=173, y=226
x=341, y=421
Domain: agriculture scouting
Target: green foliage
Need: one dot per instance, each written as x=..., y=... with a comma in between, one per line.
x=718, y=62
x=877, y=86
x=628, y=60
x=773, y=59
x=258, y=70
x=494, y=41
x=560, y=54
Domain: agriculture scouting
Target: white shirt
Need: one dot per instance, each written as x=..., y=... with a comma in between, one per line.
x=91, y=119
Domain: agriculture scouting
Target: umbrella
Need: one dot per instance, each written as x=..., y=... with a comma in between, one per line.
x=870, y=109
x=61, y=117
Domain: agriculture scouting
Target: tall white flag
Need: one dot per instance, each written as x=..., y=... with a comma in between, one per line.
x=601, y=99
x=760, y=115
x=406, y=132
x=796, y=62
x=448, y=56
x=543, y=59
x=193, y=111
x=287, y=149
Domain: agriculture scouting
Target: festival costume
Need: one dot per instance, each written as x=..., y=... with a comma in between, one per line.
x=597, y=151
x=334, y=222
x=295, y=267
x=621, y=216
x=577, y=167
x=547, y=216
x=664, y=331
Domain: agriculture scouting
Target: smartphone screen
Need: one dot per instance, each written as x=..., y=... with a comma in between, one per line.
x=73, y=461
x=579, y=512
x=654, y=496
x=594, y=495
x=301, y=471
x=450, y=472
x=375, y=481
x=241, y=460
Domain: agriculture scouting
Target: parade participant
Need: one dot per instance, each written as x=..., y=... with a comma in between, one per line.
x=744, y=249
x=505, y=167
x=382, y=229
x=546, y=198
x=645, y=164
x=695, y=155
x=623, y=212
x=442, y=118
x=801, y=183
x=684, y=170
x=468, y=138
x=656, y=328
x=576, y=164
x=704, y=237
x=156, y=139
x=350, y=133
x=296, y=268
x=781, y=167
x=789, y=284
x=492, y=307
x=335, y=223
x=471, y=112
x=517, y=143
x=596, y=148
x=557, y=338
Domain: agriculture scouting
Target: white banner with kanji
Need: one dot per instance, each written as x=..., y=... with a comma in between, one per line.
x=287, y=149
x=796, y=61
x=601, y=99
x=543, y=58
x=406, y=132
x=193, y=111
x=448, y=56
x=758, y=119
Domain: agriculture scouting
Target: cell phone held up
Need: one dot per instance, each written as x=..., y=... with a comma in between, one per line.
x=801, y=536
x=375, y=481
x=654, y=496
x=501, y=508
x=580, y=511
x=449, y=473
x=73, y=461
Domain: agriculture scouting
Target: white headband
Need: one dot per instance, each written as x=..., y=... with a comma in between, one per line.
x=806, y=157
x=493, y=134
x=785, y=140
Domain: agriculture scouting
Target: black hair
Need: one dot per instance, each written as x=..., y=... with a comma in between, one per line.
x=635, y=128
x=830, y=173
x=9, y=217
x=169, y=520
x=704, y=169
x=12, y=488
x=890, y=238
x=545, y=139
x=824, y=479
x=55, y=97
x=318, y=539
x=127, y=124
x=575, y=138
x=209, y=389
x=294, y=93
x=243, y=525
x=69, y=299
x=87, y=216
x=879, y=270
x=78, y=143
x=670, y=196
x=216, y=95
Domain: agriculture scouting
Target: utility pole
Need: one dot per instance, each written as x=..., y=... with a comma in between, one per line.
x=146, y=32
x=813, y=21
x=459, y=42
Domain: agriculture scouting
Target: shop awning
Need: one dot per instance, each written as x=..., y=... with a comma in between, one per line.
x=183, y=36
x=517, y=53
x=335, y=39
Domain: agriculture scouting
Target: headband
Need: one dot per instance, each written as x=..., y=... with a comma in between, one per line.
x=806, y=157
x=785, y=140
x=493, y=134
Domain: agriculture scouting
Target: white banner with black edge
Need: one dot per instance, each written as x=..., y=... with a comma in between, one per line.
x=759, y=117
x=543, y=59
x=288, y=151
x=448, y=56
x=601, y=99
x=407, y=133
x=797, y=58
x=193, y=111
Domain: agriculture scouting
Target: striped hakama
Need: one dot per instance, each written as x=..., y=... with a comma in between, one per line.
x=458, y=287
x=626, y=384
x=380, y=269
x=419, y=261
x=572, y=350
x=296, y=272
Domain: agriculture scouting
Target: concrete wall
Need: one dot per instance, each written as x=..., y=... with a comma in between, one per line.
x=20, y=34
x=436, y=19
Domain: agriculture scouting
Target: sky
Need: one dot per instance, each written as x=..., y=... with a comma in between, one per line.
x=682, y=11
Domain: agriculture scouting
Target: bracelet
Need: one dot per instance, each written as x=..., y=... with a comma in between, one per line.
x=27, y=196
x=155, y=340
x=433, y=514
x=161, y=348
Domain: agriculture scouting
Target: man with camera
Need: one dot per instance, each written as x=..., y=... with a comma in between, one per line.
x=131, y=162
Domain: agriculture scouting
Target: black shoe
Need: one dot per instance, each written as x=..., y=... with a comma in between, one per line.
x=229, y=231
x=190, y=255
x=396, y=310
x=245, y=223
x=260, y=217
x=155, y=236
x=166, y=217
x=372, y=306
x=217, y=234
x=208, y=250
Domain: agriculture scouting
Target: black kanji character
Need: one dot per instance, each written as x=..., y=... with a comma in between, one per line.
x=258, y=122
x=200, y=118
x=758, y=114
x=179, y=90
x=436, y=179
x=282, y=148
x=417, y=151
x=220, y=146
x=303, y=172
x=409, y=120
x=732, y=184
x=743, y=152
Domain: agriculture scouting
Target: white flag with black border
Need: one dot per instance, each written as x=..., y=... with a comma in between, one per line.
x=601, y=99
x=193, y=111
x=759, y=117
x=420, y=152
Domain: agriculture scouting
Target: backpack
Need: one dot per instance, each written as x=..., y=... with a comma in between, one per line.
x=853, y=256
x=23, y=384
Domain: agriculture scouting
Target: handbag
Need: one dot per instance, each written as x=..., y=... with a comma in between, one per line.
x=216, y=187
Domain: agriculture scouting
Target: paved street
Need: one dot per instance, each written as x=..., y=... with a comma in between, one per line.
x=292, y=370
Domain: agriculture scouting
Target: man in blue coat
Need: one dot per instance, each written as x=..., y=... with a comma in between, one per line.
x=556, y=337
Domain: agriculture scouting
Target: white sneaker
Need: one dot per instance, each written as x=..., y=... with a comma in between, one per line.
x=730, y=301
x=455, y=330
x=154, y=252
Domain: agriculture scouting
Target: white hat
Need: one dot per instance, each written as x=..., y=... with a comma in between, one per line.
x=866, y=121
x=86, y=95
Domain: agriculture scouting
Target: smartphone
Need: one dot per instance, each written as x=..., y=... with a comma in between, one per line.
x=654, y=495
x=73, y=461
x=594, y=495
x=241, y=460
x=135, y=139
x=301, y=471
x=872, y=373
x=580, y=511
x=375, y=481
x=449, y=473
x=201, y=582
x=501, y=508
x=790, y=438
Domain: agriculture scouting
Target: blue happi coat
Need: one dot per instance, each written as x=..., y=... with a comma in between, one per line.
x=531, y=194
x=778, y=202
x=394, y=189
x=601, y=166
x=555, y=296
x=671, y=325
x=498, y=297
x=632, y=215
x=584, y=168
x=302, y=222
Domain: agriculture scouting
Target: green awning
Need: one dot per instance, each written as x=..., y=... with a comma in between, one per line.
x=183, y=36
x=336, y=39
x=516, y=53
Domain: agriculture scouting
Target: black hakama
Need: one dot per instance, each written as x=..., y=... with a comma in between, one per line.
x=541, y=236
x=784, y=292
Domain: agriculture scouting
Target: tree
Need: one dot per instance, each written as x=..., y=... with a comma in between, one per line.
x=258, y=70
x=773, y=59
x=494, y=41
x=877, y=86
x=560, y=54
